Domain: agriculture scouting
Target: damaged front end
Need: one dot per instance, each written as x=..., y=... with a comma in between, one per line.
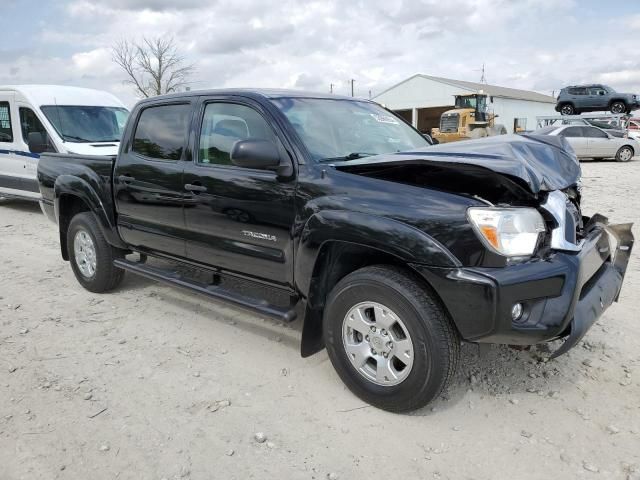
x=577, y=268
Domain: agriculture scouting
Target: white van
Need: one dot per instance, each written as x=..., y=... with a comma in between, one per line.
x=50, y=118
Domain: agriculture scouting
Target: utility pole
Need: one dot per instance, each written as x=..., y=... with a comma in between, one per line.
x=369, y=94
x=352, y=82
x=331, y=88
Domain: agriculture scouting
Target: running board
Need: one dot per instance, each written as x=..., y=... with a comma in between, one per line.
x=213, y=291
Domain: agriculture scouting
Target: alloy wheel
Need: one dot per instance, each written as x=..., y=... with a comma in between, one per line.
x=377, y=343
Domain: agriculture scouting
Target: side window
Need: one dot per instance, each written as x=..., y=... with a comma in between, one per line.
x=223, y=124
x=32, y=128
x=571, y=132
x=592, y=132
x=6, y=133
x=597, y=91
x=578, y=91
x=162, y=131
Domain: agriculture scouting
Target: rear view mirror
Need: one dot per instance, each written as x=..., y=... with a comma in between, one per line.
x=37, y=142
x=259, y=154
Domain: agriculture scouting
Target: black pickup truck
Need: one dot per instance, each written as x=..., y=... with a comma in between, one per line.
x=390, y=250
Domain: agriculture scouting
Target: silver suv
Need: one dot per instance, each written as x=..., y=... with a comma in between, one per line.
x=592, y=98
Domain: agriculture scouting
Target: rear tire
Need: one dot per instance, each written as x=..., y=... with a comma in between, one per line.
x=624, y=154
x=91, y=256
x=567, y=109
x=618, y=108
x=389, y=339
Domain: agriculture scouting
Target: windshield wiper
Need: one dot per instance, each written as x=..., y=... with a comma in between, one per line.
x=79, y=139
x=350, y=156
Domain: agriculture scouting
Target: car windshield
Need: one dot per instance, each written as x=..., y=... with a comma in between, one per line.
x=84, y=124
x=347, y=129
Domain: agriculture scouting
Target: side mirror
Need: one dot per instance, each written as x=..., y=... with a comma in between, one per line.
x=255, y=153
x=37, y=142
x=428, y=138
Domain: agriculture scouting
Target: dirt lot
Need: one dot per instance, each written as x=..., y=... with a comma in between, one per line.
x=150, y=383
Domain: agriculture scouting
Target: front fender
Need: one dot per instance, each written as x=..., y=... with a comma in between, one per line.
x=403, y=241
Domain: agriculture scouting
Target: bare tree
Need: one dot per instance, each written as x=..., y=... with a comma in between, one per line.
x=153, y=67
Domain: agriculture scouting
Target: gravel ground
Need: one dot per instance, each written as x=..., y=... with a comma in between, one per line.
x=153, y=383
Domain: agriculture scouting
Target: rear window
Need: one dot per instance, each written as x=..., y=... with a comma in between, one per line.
x=6, y=133
x=161, y=132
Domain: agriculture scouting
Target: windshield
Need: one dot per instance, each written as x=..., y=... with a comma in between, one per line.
x=466, y=102
x=84, y=124
x=332, y=129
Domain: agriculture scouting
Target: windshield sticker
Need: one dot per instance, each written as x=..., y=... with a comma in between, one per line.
x=385, y=119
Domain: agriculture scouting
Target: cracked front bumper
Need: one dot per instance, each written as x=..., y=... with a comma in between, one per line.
x=563, y=295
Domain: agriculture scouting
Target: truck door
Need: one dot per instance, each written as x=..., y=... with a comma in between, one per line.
x=238, y=219
x=148, y=182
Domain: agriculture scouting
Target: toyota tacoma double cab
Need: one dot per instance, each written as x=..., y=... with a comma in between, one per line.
x=389, y=250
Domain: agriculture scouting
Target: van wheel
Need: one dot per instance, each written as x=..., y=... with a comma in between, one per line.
x=624, y=154
x=567, y=109
x=618, y=107
x=91, y=256
x=389, y=339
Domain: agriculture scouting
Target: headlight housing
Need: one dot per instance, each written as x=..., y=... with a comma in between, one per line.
x=512, y=232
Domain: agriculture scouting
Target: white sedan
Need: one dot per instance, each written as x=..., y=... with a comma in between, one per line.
x=594, y=142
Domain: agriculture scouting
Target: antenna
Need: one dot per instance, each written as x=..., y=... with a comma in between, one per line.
x=483, y=79
x=331, y=88
x=352, y=82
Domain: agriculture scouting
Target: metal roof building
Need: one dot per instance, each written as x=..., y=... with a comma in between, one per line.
x=421, y=99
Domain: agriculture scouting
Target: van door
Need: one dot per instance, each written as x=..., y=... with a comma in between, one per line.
x=14, y=171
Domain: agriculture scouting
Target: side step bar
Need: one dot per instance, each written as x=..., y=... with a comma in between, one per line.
x=213, y=291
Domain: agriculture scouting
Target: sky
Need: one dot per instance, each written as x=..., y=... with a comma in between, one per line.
x=540, y=45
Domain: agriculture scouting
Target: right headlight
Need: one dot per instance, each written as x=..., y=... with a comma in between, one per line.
x=513, y=232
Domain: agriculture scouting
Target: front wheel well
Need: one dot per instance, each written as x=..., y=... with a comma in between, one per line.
x=68, y=207
x=335, y=261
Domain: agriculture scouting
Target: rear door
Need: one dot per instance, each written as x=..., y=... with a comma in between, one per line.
x=578, y=96
x=239, y=219
x=148, y=179
x=576, y=139
x=17, y=164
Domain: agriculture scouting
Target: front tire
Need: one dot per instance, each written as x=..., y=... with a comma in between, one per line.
x=618, y=108
x=389, y=339
x=91, y=256
x=624, y=154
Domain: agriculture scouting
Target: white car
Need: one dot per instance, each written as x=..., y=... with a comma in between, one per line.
x=594, y=142
x=50, y=118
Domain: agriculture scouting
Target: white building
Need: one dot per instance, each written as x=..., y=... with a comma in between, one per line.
x=421, y=99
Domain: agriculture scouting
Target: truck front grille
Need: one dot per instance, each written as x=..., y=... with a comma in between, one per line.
x=569, y=220
x=449, y=123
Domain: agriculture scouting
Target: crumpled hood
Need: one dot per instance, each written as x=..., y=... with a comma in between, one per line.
x=542, y=162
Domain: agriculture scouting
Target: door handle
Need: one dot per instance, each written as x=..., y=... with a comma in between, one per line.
x=125, y=178
x=195, y=188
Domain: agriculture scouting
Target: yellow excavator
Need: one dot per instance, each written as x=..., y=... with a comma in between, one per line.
x=469, y=119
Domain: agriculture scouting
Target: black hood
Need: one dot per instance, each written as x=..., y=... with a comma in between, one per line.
x=544, y=163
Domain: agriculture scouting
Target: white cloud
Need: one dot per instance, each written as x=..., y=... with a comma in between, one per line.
x=310, y=45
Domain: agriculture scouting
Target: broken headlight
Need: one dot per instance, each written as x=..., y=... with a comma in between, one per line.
x=513, y=232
